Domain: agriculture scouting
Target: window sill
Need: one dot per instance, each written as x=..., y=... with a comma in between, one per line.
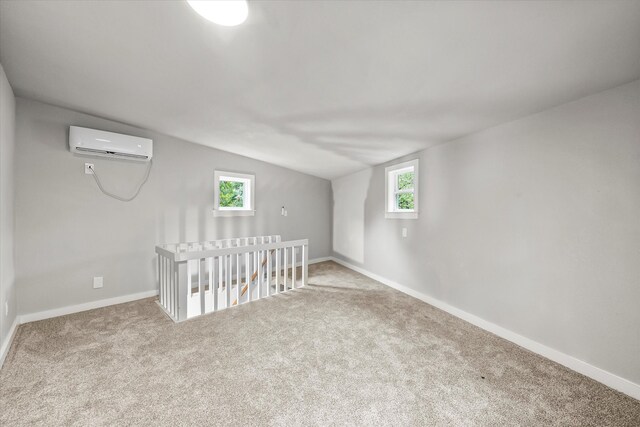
x=217, y=212
x=401, y=215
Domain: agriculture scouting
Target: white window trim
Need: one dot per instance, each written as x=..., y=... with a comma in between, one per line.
x=390, y=211
x=250, y=194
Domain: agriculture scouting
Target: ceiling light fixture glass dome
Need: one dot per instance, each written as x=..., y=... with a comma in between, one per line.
x=222, y=12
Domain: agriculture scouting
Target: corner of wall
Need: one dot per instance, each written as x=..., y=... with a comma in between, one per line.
x=8, y=311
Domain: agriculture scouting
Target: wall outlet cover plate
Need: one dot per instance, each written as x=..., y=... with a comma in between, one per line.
x=97, y=282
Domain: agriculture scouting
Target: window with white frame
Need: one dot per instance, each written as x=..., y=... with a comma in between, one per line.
x=402, y=190
x=234, y=194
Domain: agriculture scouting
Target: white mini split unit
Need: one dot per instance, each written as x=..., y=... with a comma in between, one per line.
x=91, y=142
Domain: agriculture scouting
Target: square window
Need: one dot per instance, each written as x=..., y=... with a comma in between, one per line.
x=402, y=190
x=234, y=194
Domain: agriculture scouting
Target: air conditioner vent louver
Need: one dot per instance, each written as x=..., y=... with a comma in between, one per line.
x=92, y=142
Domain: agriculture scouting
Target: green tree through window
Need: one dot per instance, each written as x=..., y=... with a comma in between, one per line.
x=405, y=181
x=231, y=194
x=405, y=201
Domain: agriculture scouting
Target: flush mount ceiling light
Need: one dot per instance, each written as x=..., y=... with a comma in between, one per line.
x=222, y=12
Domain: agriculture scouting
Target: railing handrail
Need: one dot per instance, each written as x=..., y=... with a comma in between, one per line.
x=210, y=269
x=186, y=246
x=214, y=252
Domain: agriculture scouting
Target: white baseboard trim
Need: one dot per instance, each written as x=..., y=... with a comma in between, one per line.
x=56, y=312
x=70, y=309
x=6, y=345
x=607, y=378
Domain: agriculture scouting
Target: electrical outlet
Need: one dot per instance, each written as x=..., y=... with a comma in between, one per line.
x=6, y=308
x=97, y=282
x=88, y=168
x=404, y=231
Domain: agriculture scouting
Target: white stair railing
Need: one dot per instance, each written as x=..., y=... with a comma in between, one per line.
x=202, y=277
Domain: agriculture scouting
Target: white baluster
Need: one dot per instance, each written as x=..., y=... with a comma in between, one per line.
x=286, y=270
x=278, y=270
x=228, y=275
x=305, y=265
x=238, y=277
x=260, y=273
x=247, y=269
x=269, y=292
x=173, y=297
x=160, y=283
x=221, y=279
x=201, y=287
x=213, y=285
x=254, y=269
x=293, y=267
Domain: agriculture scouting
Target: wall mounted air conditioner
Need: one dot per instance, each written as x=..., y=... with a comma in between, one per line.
x=91, y=142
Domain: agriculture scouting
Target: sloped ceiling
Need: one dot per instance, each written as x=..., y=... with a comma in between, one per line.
x=325, y=88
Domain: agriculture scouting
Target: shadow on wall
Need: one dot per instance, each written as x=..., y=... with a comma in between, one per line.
x=363, y=236
x=184, y=218
x=349, y=201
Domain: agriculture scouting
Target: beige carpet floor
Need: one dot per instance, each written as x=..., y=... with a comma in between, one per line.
x=345, y=350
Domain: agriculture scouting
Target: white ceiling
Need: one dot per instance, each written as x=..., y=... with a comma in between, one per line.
x=325, y=88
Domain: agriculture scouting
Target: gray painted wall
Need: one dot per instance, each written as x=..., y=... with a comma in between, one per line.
x=67, y=231
x=7, y=150
x=533, y=225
